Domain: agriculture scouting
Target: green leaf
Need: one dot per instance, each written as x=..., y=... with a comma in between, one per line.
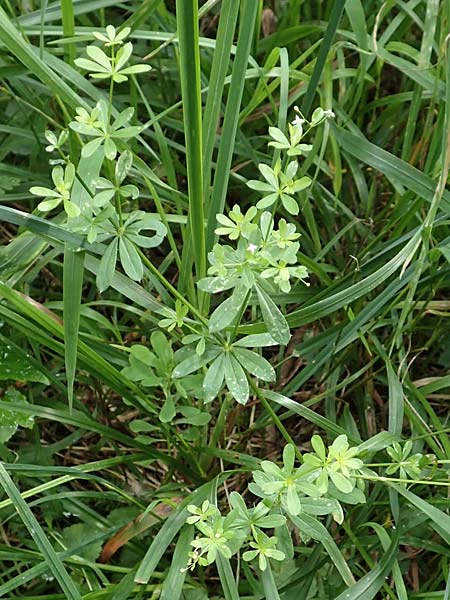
x=236, y=379
x=289, y=204
x=11, y=420
x=190, y=365
x=193, y=416
x=257, y=340
x=123, y=165
x=275, y=322
x=130, y=259
x=16, y=366
x=229, y=309
x=255, y=364
x=107, y=266
x=78, y=535
x=168, y=410
x=213, y=381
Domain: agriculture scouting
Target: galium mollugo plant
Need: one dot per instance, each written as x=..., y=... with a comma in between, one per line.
x=292, y=497
x=103, y=217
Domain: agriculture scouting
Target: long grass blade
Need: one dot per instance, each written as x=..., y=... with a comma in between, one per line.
x=68, y=23
x=73, y=272
x=231, y=118
x=31, y=523
x=221, y=59
x=333, y=23
x=188, y=39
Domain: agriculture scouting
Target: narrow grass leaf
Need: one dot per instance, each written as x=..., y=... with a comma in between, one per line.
x=31, y=523
x=73, y=272
x=168, y=531
x=332, y=25
x=227, y=581
x=308, y=414
x=314, y=529
x=173, y=584
x=28, y=56
x=225, y=33
x=188, y=39
x=231, y=118
x=440, y=521
x=369, y=585
x=269, y=585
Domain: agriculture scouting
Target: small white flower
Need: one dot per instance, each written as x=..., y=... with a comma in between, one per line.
x=252, y=248
x=329, y=114
x=298, y=121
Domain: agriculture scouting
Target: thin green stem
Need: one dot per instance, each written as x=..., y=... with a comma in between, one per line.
x=281, y=428
x=155, y=271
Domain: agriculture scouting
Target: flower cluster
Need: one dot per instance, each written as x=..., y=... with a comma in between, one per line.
x=263, y=252
x=288, y=493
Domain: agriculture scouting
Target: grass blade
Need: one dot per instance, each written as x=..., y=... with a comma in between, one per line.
x=308, y=414
x=231, y=118
x=73, y=272
x=168, y=531
x=333, y=22
x=229, y=587
x=269, y=585
x=28, y=56
x=393, y=168
x=31, y=523
x=68, y=23
x=225, y=32
x=317, y=531
x=367, y=587
x=440, y=521
x=173, y=584
x=188, y=39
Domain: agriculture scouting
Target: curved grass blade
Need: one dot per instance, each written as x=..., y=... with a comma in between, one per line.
x=28, y=56
x=396, y=571
x=391, y=166
x=47, y=229
x=31, y=523
x=367, y=587
x=440, y=521
x=308, y=414
x=314, y=529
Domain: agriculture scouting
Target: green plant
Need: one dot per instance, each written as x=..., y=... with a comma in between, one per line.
x=208, y=275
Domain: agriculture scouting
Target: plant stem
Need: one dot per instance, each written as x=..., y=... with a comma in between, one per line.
x=171, y=289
